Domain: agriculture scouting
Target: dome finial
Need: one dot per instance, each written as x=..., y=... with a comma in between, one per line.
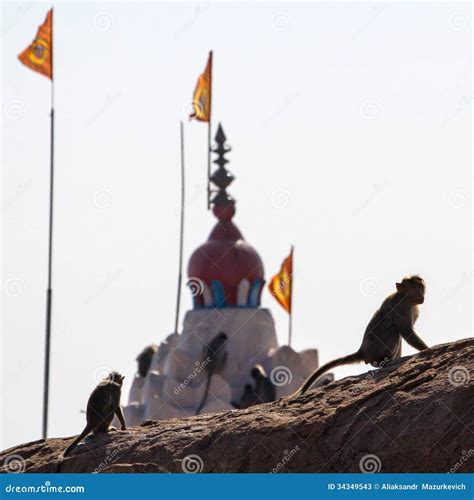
x=223, y=202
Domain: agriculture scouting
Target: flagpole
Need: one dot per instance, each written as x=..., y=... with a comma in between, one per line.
x=49, y=292
x=181, y=231
x=290, y=316
x=209, y=130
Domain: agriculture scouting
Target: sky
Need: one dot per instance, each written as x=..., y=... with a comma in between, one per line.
x=351, y=133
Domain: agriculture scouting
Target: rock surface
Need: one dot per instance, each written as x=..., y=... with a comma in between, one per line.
x=416, y=415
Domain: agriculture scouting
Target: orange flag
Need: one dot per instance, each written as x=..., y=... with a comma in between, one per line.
x=280, y=285
x=39, y=55
x=202, y=94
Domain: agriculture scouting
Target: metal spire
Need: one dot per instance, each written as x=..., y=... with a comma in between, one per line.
x=221, y=177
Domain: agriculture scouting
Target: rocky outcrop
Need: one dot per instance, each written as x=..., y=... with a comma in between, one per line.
x=416, y=415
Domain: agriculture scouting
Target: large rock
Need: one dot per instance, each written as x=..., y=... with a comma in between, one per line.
x=416, y=415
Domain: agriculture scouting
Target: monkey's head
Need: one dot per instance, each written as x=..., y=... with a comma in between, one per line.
x=257, y=372
x=115, y=377
x=222, y=336
x=414, y=288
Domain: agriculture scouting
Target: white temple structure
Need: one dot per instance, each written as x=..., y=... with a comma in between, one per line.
x=226, y=279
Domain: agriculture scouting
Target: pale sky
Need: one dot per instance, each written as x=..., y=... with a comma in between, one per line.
x=351, y=133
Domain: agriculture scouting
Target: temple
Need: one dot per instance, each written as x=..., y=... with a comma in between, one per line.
x=226, y=281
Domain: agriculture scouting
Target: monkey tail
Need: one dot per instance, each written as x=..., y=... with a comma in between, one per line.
x=206, y=392
x=346, y=360
x=68, y=450
x=81, y=436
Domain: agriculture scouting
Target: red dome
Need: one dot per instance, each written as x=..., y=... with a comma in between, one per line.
x=226, y=258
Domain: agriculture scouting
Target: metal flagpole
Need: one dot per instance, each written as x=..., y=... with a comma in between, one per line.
x=290, y=316
x=49, y=292
x=181, y=231
x=209, y=130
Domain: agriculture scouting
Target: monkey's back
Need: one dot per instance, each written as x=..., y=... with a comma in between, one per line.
x=382, y=336
x=102, y=403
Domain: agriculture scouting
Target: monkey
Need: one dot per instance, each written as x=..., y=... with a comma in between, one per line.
x=265, y=391
x=382, y=338
x=247, y=399
x=103, y=404
x=144, y=360
x=217, y=358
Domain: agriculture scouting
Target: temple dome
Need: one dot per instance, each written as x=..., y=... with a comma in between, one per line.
x=226, y=260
